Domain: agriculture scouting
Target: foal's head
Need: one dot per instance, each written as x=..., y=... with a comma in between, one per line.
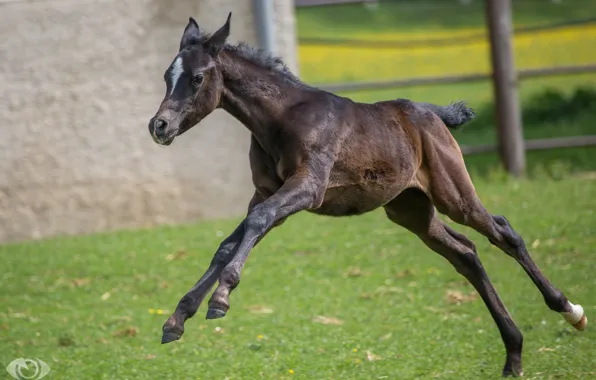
x=194, y=84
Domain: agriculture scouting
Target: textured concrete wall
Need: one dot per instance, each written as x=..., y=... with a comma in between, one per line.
x=80, y=80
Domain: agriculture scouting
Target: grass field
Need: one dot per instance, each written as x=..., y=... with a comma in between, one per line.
x=320, y=298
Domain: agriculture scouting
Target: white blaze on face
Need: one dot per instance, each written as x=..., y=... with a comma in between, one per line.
x=176, y=72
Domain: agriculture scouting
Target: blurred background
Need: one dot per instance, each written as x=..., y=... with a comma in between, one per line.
x=439, y=51
x=81, y=79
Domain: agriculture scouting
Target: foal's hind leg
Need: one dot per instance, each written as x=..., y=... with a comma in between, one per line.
x=500, y=233
x=413, y=210
x=454, y=195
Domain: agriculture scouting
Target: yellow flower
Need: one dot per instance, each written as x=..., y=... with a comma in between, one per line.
x=259, y=337
x=291, y=371
x=354, y=350
x=159, y=311
x=151, y=311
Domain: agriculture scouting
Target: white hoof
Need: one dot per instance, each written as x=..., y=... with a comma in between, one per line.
x=576, y=317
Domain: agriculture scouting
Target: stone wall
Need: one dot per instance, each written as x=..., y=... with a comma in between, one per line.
x=80, y=80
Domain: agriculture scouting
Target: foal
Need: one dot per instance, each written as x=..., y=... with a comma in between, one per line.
x=312, y=150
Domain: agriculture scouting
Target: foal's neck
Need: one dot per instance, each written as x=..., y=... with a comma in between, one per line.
x=255, y=95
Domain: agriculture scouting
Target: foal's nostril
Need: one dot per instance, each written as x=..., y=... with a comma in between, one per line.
x=159, y=127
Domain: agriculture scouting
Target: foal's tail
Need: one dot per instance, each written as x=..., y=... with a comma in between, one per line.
x=453, y=115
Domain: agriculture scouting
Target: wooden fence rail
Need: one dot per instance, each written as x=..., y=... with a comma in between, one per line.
x=536, y=144
x=422, y=81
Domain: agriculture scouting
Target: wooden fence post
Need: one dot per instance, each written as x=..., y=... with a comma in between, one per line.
x=509, y=125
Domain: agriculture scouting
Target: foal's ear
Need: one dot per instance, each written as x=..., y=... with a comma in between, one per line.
x=218, y=39
x=191, y=35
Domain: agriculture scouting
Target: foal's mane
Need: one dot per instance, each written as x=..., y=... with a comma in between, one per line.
x=259, y=57
x=263, y=59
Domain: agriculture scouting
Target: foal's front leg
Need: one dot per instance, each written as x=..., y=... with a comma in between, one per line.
x=303, y=190
x=189, y=304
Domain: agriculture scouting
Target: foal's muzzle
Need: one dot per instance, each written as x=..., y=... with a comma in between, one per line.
x=160, y=131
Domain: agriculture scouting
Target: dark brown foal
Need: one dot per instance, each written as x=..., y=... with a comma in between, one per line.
x=313, y=150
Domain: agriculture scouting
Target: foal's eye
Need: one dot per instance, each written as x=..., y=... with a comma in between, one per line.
x=197, y=80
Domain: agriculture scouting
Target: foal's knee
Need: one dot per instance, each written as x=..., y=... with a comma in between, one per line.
x=462, y=239
x=511, y=237
x=468, y=260
x=501, y=220
x=259, y=221
x=223, y=255
x=230, y=276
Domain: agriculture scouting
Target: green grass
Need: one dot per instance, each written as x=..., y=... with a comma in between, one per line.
x=552, y=163
x=381, y=282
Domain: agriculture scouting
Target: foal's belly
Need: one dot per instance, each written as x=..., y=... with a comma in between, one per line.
x=354, y=189
x=355, y=199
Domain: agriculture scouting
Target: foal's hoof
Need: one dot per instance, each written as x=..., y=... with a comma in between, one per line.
x=513, y=367
x=576, y=317
x=172, y=330
x=511, y=373
x=170, y=336
x=582, y=324
x=215, y=314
